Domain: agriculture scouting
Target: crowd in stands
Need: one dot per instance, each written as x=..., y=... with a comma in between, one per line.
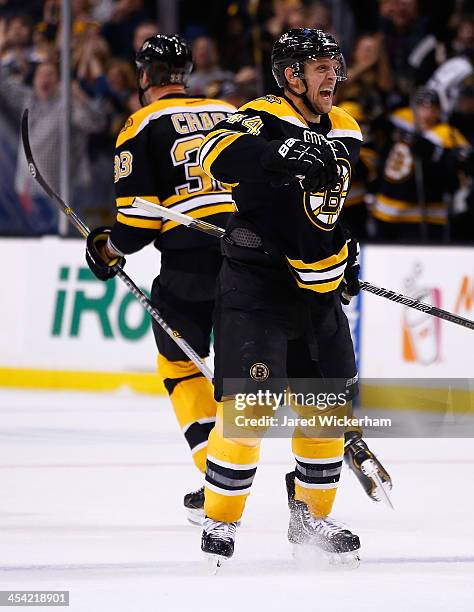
x=410, y=86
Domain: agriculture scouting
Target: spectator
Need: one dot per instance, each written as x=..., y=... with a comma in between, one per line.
x=369, y=75
x=32, y=8
x=206, y=67
x=119, y=30
x=410, y=47
x=89, y=59
x=463, y=42
x=46, y=108
x=462, y=116
x=142, y=32
x=448, y=79
x=18, y=55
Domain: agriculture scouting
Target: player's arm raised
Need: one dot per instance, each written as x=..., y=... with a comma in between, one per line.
x=239, y=150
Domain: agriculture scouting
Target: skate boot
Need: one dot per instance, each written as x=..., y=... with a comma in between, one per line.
x=321, y=538
x=368, y=469
x=290, y=487
x=217, y=542
x=194, y=505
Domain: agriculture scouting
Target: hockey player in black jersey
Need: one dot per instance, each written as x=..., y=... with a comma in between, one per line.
x=287, y=261
x=155, y=159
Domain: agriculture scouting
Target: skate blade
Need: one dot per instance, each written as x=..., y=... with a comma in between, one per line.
x=369, y=468
x=195, y=516
x=308, y=556
x=347, y=560
x=214, y=563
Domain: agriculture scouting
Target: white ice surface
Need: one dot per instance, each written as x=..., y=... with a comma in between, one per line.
x=91, y=490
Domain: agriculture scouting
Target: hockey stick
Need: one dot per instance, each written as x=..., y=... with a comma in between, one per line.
x=84, y=230
x=388, y=294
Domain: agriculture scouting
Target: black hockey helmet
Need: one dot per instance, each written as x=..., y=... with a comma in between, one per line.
x=166, y=59
x=427, y=97
x=299, y=45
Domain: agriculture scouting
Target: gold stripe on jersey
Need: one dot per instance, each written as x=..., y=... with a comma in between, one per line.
x=320, y=276
x=127, y=201
x=201, y=213
x=213, y=146
x=154, y=224
x=278, y=107
x=398, y=211
x=136, y=217
x=342, y=124
x=167, y=106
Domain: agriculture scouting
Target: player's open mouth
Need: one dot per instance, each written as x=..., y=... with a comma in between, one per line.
x=326, y=93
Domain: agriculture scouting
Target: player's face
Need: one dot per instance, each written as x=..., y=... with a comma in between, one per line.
x=428, y=115
x=321, y=79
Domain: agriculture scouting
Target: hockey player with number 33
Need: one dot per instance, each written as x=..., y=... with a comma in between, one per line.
x=288, y=263
x=156, y=158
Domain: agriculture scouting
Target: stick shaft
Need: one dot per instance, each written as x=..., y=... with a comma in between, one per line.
x=128, y=282
x=388, y=294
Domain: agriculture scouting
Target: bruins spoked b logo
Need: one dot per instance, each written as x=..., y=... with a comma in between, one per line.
x=259, y=372
x=323, y=208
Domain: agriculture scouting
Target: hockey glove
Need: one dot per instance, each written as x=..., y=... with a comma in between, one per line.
x=96, y=255
x=314, y=165
x=350, y=283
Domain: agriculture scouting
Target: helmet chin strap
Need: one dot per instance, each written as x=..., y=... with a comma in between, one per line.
x=142, y=90
x=304, y=97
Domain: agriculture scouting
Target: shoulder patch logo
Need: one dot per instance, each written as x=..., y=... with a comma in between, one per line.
x=271, y=98
x=128, y=124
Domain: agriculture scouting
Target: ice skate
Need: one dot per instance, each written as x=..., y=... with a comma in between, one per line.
x=321, y=538
x=217, y=542
x=368, y=469
x=194, y=506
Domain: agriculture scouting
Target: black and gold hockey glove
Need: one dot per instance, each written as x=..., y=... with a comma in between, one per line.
x=96, y=252
x=314, y=165
x=350, y=284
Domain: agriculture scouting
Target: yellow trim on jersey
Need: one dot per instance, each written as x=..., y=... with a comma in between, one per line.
x=133, y=125
x=450, y=136
x=276, y=106
x=442, y=134
x=332, y=260
x=179, y=199
x=128, y=201
x=201, y=213
x=141, y=222
x=401, y=208
x=137, y=218
x=214, y=152
x=342, y=124
x=341, y=120
x=301, y=269
x=322, y=287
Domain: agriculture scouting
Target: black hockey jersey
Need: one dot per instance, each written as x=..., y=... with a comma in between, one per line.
x=156, y=159
x=303, y=225
x=397, y=199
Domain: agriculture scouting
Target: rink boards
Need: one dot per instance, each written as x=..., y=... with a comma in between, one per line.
x=62, y=328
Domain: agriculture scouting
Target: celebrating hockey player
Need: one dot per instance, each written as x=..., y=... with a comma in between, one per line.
x=412, y=197
x=286, y=263
x=156, y=158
